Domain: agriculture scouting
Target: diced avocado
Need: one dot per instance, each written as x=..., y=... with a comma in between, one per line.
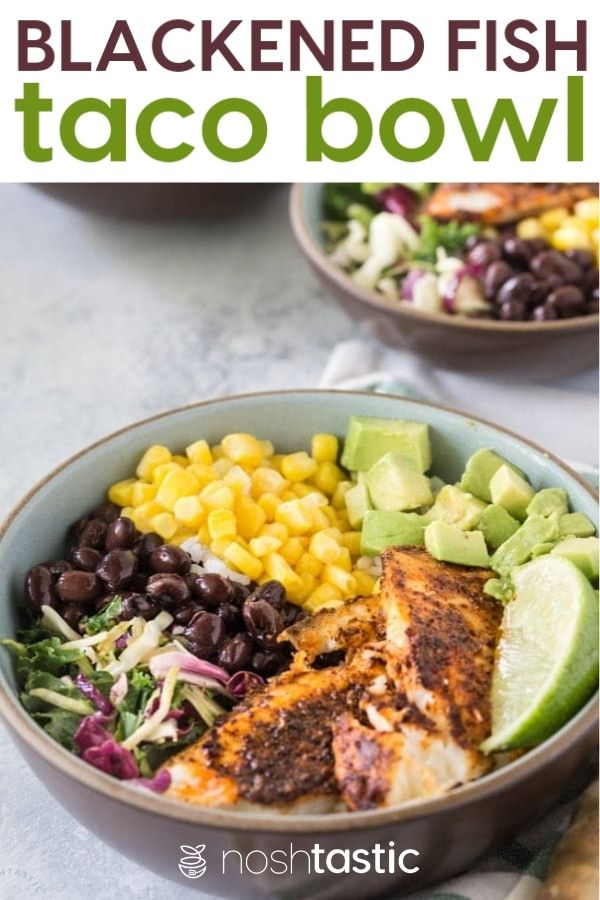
x=500, y=589
x=369, y=438
x=511, y=491
x=436, y=485
x=480, y=468
x=396, y=484
x=451, y=544
x=576, y=525
x=547, y=501
x=517, y=549
x=583, y=552
x=456, y=507
x=497, y=525
x=542, y=549
x=390, y=529
x=358, y=503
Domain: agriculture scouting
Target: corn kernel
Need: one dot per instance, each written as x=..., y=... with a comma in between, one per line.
x=189, y=511
x=276, y=529
x=588, y=210
x=309, y=565
x=365, y=583
x=530, y=228
x=341, y=579
x=238, y=480
x=344, y=560
x=128, y=512
x=551, y=219
x=265, y=543
x=154, y=456
x=199, y=452
x=217, y=452
x=267, y=449
x=292, y=550
x=314, y=499
x=269, y=503
x=327, y=477
x=276, y=460
x=221, y=467
x=218, y=546
x=217, y=495
x=332, y=516
x=176, y=483
x=298, y=466
x=181, y=536
x=319, y=520
x=296, y=517
x=267, y=481
x=301, y=489
x=142, y=492
x=342, y=488
x=321, y=595
x=570, y=238
x=121, y=492
x=243, y=449
x=324, y=448
x=324, y=547
x=250, y=518
x=182, y=461
x=203, y=472
x=161, y=471
x=288, y=495
x=242, y=560
x=221, y=524
x=343, y=522
x=351, y=540
x=203, y=535
x=276, y=566
x=164, y=524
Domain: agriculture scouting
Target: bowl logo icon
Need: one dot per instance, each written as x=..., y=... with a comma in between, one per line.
x=192, y=864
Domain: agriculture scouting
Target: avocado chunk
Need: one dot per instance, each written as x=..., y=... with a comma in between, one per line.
x=456, y=507
x=395, y=484
x=542, y=549
x=583, y=552
x=501, y=589
x=547, y=501
x=358, y=503
x=576, y=525
x=369, y=438
x=390, y=529
x=497, y=525
x=511, y=491
x=480, y=468
x=448, y=543
x=517, y=549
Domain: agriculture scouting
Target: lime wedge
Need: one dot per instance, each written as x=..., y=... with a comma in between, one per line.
x=547, y=658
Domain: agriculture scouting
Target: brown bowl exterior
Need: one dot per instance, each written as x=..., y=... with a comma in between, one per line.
x=447, y=340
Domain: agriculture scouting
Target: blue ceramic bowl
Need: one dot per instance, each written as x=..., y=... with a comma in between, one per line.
x=450, y=832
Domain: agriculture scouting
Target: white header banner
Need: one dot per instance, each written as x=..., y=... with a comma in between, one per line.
x=338, y=91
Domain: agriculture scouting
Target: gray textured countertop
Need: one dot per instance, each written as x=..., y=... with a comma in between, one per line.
x=104, y=322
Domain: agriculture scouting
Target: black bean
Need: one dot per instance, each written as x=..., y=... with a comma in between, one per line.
x=567, y=300
x=93, y=534
x=108, y=512
x=38, y=588
x=117, y=568
x=184, y=614
x=204, y=634
x=212, y=589
x=495, y=276
x=85, y=558
x=544, y=313
x=71, y=614
x=145, y=544
x=484, y=253
x=263, y=621
x=590, y=280
x=167, y=584
x=265, y=662
x=78, y=587
x=583, y=258
x=120, y=534
x=292, y=613
x=520, y=287
x=231, y=616
x=473, y=240
x=591, y=307
x=171, y=559
x=551, y=263
x=271, y=591
x=235, y=653
x=517, y=251
x=512, y=311
x=57, y=567
x=239, y=592
x=138, y=582
x=78, y=526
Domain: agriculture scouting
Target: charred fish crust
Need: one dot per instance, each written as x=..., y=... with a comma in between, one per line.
x=362, y=765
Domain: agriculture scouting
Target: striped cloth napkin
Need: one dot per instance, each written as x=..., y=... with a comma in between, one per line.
x=561, y=415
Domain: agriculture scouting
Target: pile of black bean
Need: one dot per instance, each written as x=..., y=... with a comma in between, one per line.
x=220, y=620
x=528, y=280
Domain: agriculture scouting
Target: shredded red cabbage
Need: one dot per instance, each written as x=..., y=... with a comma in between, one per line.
x=399, y=199
x=112, y=758
x=159, y=783
x=101, y=702
x=240, y=683
x=91, y=732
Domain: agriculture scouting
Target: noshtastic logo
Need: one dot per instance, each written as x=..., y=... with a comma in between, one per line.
x=192, y=864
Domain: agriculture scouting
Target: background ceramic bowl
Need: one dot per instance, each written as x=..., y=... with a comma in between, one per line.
x=449, y=833
x=452, y=340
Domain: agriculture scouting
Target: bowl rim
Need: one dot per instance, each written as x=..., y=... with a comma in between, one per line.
x=485, y=788
x=316, y=255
